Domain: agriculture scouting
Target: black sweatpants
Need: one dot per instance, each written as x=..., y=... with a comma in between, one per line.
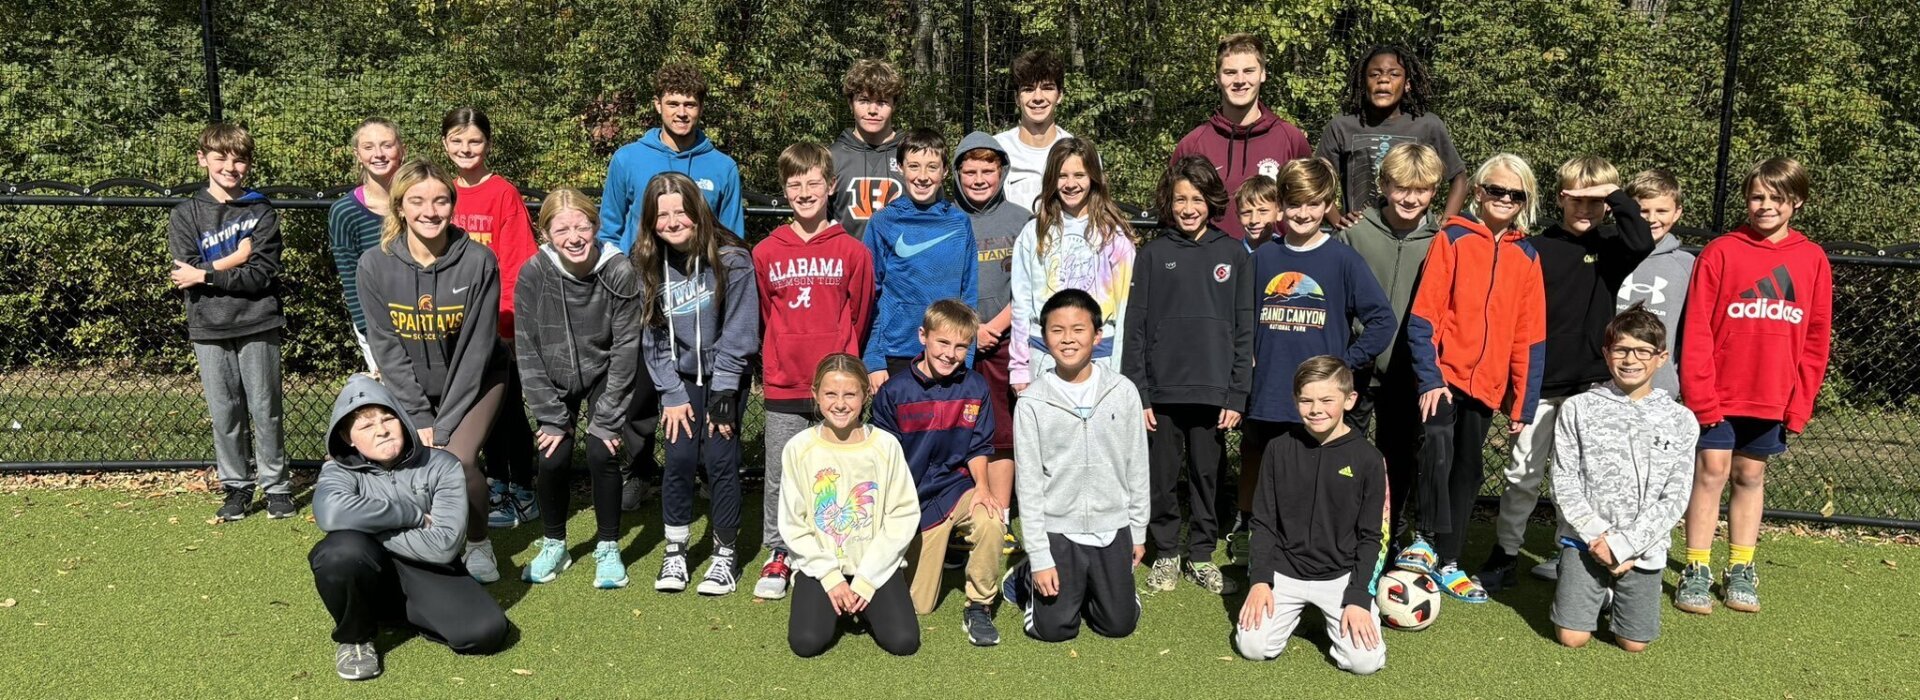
x=721, y=457
x=509, y=449
x=362, y=584
x=1186, y=435
x=556, y=487
x=1453, y=468
x=643, y=422
x=813, y=626
x=1394, y=411
x=1096, y=584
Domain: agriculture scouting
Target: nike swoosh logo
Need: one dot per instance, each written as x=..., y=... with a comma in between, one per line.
x=457, y=290
x=907, y=250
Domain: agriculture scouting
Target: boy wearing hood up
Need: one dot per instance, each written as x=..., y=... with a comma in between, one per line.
x=866, y=157
x=225, y=244
x=677, y=145
x=395, y=514
x=982, y=168
x=1243, y=138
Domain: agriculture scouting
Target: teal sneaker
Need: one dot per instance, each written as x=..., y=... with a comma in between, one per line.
x=1694, y=593
x=1741, y=589
x=547, y=565
x=1458, y=585
x=608, y=571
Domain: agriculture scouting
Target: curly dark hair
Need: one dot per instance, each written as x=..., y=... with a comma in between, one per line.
x=1419, y=87
x=680, y=78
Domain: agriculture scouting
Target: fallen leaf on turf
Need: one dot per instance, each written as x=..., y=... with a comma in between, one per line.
x=1889, y=563
x=636, y=612
x=1163, y=652
x=175, y=520
x=1073, y=653
x=280, y=603
x=192, y=547
x=299, y=675
x=458, y=679
x=1223, y=658
x=522, y=672
x=39, y=624
x=213, y=521
x=8, y=603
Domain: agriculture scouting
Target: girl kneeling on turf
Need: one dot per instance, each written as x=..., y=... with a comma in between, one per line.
x=578, y=341
x=848, y=510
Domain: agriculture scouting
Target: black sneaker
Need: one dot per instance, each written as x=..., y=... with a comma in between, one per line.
x=235, y=507
x=280, y=505
x=1500, y=573
x=979, y=624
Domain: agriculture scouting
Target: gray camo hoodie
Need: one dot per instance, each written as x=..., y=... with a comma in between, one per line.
x=575, y=334
x=389, y=501
x=1623, y=468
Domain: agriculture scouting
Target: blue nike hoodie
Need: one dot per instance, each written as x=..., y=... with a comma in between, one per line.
x=634, y=164
x=922, y=253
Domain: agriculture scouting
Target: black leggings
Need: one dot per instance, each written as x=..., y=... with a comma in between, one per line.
x=1454, y=469
x=556, y=486
x=362, y=584
x=509, y=447
x=813, y=626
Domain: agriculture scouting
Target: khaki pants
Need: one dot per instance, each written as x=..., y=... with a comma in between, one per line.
x=929, y=552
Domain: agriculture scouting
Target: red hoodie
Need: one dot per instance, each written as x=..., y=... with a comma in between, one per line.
x=815, y=299
x=1241, y=152
x=493, y=215
x=1758, y=325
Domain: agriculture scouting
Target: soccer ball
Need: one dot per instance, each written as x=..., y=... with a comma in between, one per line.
x=1408, y=601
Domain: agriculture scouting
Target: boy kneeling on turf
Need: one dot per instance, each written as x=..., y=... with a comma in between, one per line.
x=1082, y=484
x=1622, y=474
x=395, y=514
x=1319, y=527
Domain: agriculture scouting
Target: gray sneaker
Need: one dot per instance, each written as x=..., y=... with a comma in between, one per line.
x=1548, y=570
x=482, y=565
x=1165, y=573
x=356, y=662
x=1741, y=589
x=1208, y=577
x=1694, y=593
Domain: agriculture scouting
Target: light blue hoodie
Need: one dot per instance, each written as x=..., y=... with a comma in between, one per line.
x=634, y=164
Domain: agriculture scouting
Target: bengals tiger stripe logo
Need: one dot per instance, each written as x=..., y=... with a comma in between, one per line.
x=867, y=195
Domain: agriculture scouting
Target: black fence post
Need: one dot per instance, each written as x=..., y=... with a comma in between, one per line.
x=214, y=108
x=967, y=47
x=1727, y=85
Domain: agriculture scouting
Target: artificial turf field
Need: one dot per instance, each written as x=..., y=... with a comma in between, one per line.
x=111, y=594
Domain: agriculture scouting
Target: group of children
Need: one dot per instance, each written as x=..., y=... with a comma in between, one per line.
x=930, y=363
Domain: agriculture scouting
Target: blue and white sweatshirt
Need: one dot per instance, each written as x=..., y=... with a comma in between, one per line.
x=634, y=164
x=922, y=253
x=706, y=342
x=941, y=424
x=1308, y=302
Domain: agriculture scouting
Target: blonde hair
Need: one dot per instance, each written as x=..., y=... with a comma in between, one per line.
x=1530, y=209
x=798, y=158
x=564, y=199
x=845, y=364
x=1308, y=181
x=1320, y=368
x=1587, y=171
x=1412, y=165
x=411, y=173
x=950, y=314
x=1782, y=175
x=1654, y=182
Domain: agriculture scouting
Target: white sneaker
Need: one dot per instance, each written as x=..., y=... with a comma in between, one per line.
x=720, y=579
x=1548, y=570
x=482, y=565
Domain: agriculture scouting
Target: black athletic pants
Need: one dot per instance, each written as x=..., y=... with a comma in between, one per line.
x=1187, y=435
x=1394, y=411
x=362, y=584
x=1454, y=467
x=813, y=626
x=1096, y=585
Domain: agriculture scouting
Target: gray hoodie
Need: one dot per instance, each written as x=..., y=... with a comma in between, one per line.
x=1623, y=468
x=432, y=328
x=995, y=226
x=1660, y=282
x=575, y=334
x=391, y=501
x=866, y=178
x=701, y=340
x=236, y=302
x=1079, y=474
x=1396, y=263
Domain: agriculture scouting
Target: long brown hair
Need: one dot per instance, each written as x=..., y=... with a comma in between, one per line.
x=650, y=253
x=411, y=173
x=1103, y=218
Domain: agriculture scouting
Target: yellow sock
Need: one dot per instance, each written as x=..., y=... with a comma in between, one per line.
x=1702, y=557
x=1742, y=554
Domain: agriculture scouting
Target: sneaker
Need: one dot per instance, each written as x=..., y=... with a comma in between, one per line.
x=280, y=505
x=1165, y=573
x=547, y=565
x=356, y=662
x=482, y=565
x=236, y=504
x=1417, y=557
x=1458, y=585
x=1548, y=570
x=979, y=623
x=773, y=577
x=1017, y=586
x=1240, y=547
x=1500, y=572
x=500, y=511
x=720, y=579
x=1741, y=589
x=525, y=502
x=633, y=492
x=608, y=571
x=673, y=569
x=1208, y=577
x=1694, y=593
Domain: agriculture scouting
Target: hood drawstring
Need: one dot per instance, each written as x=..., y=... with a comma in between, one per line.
x=673, y=339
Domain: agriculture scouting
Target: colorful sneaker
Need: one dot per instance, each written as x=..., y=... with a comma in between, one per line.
x=773, y=577
x=673, y=569
x=1548, y=570
x=547, y=565
x=525, y=502
x=482, y=565
x=1458, y=585
x=1208, y=577
x=235, y=506
x=1741, y=589
x=356, y=662
x=1417, y=557
x=1016, y=587
x=500, y=510
x=720, y=579
x=608, y=571
x=1694, y=593
x=979, y=623
x=280, y=505
x=1165, y=574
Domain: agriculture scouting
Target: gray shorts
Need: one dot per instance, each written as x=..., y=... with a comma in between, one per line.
x=1582, y=593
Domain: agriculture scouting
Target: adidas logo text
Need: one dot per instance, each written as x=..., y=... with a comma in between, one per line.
x=1769, y=309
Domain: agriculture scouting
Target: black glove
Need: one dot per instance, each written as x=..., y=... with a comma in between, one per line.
x=720, y=408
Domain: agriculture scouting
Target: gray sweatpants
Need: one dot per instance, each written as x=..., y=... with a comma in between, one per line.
x=780, y=428
x=1290, y=596
x=241, y=378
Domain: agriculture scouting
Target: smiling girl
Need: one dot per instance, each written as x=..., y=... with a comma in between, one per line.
x=1078, y=239
x=354, y=220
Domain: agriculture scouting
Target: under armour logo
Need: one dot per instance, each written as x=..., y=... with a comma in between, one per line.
x=1656, y=291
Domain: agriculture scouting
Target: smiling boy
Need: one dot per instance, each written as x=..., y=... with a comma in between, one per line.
x=1039, y=82
x=923, y=251
x=1243, y=138
x=677, y=145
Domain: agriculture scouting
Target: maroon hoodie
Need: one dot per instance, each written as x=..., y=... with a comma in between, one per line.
x=1241, y=152
x=815, y=298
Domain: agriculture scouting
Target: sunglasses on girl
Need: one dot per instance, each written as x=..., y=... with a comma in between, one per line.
x=1497, y=192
